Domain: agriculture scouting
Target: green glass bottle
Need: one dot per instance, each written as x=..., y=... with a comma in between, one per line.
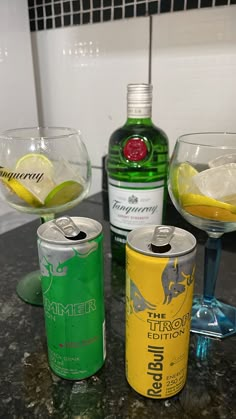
x=137, y=166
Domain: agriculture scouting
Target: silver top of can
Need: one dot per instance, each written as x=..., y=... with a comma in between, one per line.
x=69, y=230
x=139, y=100
x=161, y=241
x=162, y=236
x=67, y=227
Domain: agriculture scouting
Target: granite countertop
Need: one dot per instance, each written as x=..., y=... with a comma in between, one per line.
x=28, y=388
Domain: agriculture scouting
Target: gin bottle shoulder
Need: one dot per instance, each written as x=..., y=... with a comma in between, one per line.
x=138, y=152
x=145, y=129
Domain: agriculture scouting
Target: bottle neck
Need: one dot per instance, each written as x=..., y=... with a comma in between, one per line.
x=139, y=111
x=138, y=121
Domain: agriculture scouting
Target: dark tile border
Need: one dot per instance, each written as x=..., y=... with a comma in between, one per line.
x=49, y=14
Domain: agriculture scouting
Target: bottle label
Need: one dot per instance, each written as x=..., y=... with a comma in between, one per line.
x=133, y=204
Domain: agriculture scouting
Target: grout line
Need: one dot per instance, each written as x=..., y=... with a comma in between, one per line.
x=62, y=14
x=150, y=52
x=71, y=12
x=95, y=167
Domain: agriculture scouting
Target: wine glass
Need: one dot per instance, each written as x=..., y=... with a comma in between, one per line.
x=202, y=186
x=43, y=171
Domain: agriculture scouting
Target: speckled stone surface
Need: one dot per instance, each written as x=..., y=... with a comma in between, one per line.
x=28, y=389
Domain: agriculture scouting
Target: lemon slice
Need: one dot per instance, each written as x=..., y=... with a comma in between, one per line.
x=35, y=162
x=181, y=179
x=64, y=192
x=205, y=207
x=32, y=179
x=36, y=176
x=22, y=192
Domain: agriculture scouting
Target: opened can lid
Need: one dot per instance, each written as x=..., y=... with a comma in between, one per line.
x=161, y=241
x=69, y=230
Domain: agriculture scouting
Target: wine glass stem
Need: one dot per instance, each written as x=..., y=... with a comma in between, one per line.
x=212, y=261
x=47, y=217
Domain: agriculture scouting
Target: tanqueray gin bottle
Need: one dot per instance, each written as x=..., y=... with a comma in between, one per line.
x=137, y=165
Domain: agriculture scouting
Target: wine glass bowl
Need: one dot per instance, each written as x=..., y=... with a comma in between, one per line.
x=202, y=186
x=43, y=171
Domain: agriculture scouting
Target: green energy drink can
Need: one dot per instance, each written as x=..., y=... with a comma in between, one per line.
x=71, y=263
x=159, y=290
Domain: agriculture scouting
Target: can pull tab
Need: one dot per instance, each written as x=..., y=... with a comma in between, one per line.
x=161, y=239
x=69, y=229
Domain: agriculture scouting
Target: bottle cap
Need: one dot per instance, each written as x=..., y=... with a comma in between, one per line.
x=139, y=100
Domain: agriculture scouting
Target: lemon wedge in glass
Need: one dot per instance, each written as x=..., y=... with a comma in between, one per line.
x=22, y=192
x=205, y=207
x=38, y=175
x=34, y=162
x=64, y=192
x=31, y=180
x=182, y=179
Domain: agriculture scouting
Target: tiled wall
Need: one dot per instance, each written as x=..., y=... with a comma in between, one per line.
x=48, y=14
x=190, y=57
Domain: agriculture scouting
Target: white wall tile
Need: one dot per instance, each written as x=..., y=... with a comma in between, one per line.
x=17, y=87
x=96, y=181
x=82, y=77
x=194, y=70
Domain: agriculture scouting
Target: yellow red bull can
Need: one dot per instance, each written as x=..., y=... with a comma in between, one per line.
x=160, y=268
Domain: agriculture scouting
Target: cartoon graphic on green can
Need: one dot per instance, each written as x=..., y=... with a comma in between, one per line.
x=71, y=264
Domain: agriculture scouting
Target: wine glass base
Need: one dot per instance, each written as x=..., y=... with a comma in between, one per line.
x=213, y=319
x=29, y=289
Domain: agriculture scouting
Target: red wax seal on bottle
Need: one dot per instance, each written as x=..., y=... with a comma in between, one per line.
x=135, y=149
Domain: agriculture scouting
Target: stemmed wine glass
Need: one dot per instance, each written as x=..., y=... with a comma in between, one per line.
x=43, y=171
x=202, y=186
